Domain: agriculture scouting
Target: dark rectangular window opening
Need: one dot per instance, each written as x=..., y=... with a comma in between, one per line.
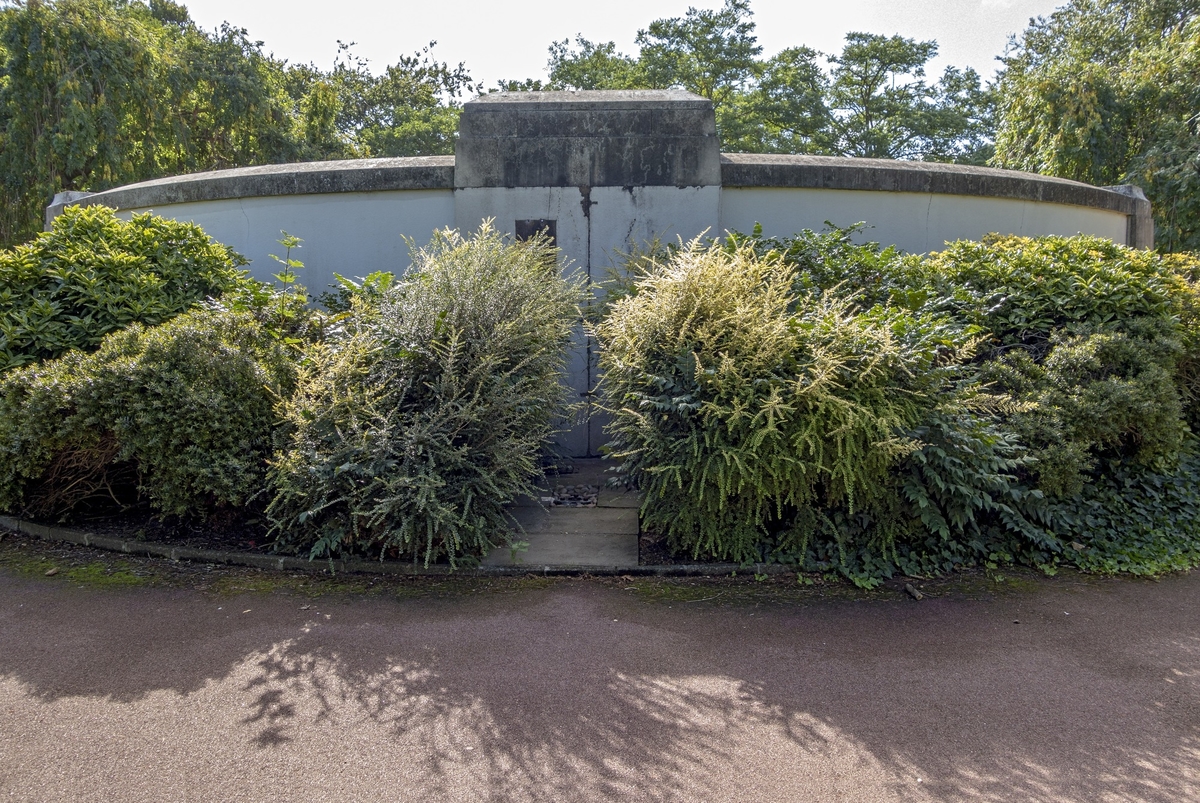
x=527, y=229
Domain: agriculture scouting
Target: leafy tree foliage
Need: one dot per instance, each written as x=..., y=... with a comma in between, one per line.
x=712, y=53
x=873, y=101
x=882, y=106
x=95, y=93
x=1104, y=91
x=98, y=93
x=409, y=109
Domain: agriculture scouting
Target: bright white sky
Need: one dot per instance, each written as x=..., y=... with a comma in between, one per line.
x=508, y=40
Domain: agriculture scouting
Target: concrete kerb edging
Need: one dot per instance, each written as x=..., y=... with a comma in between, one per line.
x=386, y=568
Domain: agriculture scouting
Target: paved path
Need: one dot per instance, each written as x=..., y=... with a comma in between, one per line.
x=585, y=691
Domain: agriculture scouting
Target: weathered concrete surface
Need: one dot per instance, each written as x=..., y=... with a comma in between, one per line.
x=630, y=138
x=594, y=224
x=1141, y=220
x=1050, y=205
x=296, y=178
x=584, y=692
x=573, y=536
x=887, y=175
x=604, y=536
x=613, y=170
x=351, y=233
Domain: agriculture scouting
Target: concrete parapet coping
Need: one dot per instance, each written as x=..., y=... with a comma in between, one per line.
x=631, y=138
x=299, y=178
x=387, y=568
x=887, y=175
x=685, y=162
x=599, y=99
x=737, y=170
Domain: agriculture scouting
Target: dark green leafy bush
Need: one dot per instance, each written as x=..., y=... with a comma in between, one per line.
x=1098, y=397
x=1135, y=520
x=833, y=261
x=183, y=409
x=93, y=274
x=1099, y=343
x=1023, y=289
x=417, y=421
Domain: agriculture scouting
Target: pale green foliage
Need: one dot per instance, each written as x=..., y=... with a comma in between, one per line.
x=187, y=405
x=92, y=274
x=420, y=419
x=736, y=404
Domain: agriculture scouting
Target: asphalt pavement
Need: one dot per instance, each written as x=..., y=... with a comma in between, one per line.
x=583, y=690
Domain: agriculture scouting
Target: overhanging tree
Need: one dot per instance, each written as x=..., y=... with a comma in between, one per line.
x=1108, y=92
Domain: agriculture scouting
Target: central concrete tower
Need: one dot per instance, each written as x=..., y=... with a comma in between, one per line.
x=599, y=172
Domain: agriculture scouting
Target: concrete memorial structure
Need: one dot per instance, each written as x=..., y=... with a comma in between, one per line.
x=599, y=172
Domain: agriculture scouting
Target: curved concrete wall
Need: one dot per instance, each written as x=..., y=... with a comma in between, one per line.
x=920, y=206
x=608, y=170
x=915, y=222
x=350, y=233
x=354, y=216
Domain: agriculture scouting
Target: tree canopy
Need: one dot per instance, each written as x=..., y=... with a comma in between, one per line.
x=872, y=99
x=99, y=93
x=1108, y=92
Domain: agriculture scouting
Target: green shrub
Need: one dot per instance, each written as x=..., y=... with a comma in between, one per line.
x=93, y=273
x=185, y=409
x=1132, y=519
x=1099, y=397
x=740, y=408
x=832, y=261
x=417, y=421
x=1023, y=289
x=994, y=387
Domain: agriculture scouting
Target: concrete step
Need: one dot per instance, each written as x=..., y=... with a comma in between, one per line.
x=561, y=536
x=619, y=550
x=575, y=520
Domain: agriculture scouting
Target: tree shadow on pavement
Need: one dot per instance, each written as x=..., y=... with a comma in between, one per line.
x=581, y=691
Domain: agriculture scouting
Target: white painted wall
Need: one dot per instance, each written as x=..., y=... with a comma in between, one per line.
x=618, y=216
x=351, y=233
x=914, y=222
